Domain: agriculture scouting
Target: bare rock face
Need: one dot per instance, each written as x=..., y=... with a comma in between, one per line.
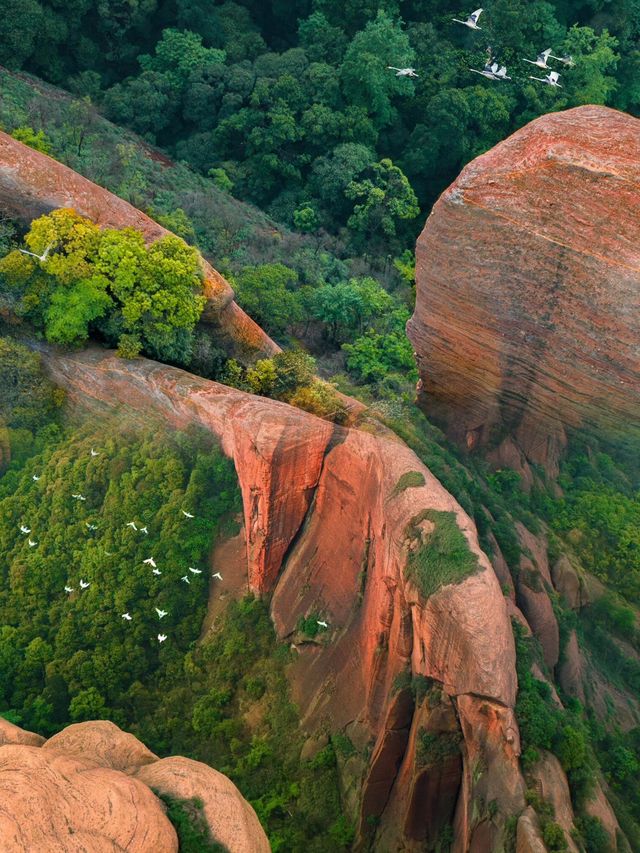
x=77, y=793
x=326, y=534
x=31, y=184
x=551, y=784
x=527, y=315
x=55, y=802
x=231, y=819
x=105, y=743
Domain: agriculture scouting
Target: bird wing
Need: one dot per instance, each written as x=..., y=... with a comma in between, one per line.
x=475, y=15
x=553, y=76
x=545, y=54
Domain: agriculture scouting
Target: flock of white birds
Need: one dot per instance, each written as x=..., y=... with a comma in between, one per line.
x=493, y=70
x=149, y=561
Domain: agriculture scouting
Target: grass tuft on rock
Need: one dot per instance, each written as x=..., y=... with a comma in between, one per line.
x=439, y=557
x=409, y=480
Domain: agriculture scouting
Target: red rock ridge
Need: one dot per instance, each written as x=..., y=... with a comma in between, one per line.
x=327, y=534
x=527, y=315
x=31, y=184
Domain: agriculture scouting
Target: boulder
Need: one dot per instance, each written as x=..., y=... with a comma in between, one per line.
x=527, y=312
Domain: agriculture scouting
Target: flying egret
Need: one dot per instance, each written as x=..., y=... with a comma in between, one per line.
x=493, y=71
x=472, y=20
x=321, y=623
x=403, y=72
x=185, y=579
x=94, y=452
x=68, y=589
x=144, y=530
x=150, y=562
x=551, y=79
x=78, y=497
x=541, y=59
x=567, y=59
x=161, y=613
x=187, y=514
x=162, y=638
x=157, y=572
x=195, y=571
x=217, y=575
x=84, y=585
x=127, y=616
x=92, y=526
x=43, y=257
x=35, y=478
x=24, y=529
x=32, y=544
x=132, y=525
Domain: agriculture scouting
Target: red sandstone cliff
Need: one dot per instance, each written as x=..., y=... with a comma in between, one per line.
x=88, y=788
x=327, y=533
x=32, y=183
x=527, y=316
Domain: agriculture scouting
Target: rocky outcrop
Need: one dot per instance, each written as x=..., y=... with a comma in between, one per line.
x=326, y=534
x=527, y=314
x=31, y=184
x=551, y=785
x=231, y=819
x=89, y=789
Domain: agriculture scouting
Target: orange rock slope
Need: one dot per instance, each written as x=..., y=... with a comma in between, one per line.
x=88, y=788
x=527, y=316
x=327, y=534
x=32, y=183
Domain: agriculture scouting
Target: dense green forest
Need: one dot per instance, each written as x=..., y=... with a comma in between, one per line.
x=291, y=105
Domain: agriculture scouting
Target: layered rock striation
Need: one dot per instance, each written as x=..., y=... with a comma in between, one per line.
x=32, y=184
x=527, y=316
x=327, y=533
x=89, y=788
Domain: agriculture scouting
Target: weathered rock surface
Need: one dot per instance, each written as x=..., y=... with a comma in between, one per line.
x=231, y=819
x=31, y=184
x=551, y=784
x=75, y=793
x=326, y=533
x=527, y=315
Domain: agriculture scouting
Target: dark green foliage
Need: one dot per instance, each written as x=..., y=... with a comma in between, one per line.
x=190, y=824
x=443, y=557
x=409, y=480
x=27, y=399
x=434, y=749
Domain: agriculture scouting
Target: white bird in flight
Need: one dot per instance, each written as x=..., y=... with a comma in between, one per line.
x=187, y=514
x=84, y=585
x=567, y=59
x=78, y=497
x=35, y=478
x=150, y=562
x=541, y=59
x=157, y=572
x=162, y=638
x=403, y=72
x=321, y=623
x=161, y=613
x=195, y=571
x=94, y=452
x=551, y=79
x=68, y=589
x=32, y=544
x=185, y=579
x=132, y=525
x=24, y=529
x=144, y=530
x=43, y=257
x=127, y=616
x=472, y=20
x=92, y=526
x=217, y=575
x=493, y=71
